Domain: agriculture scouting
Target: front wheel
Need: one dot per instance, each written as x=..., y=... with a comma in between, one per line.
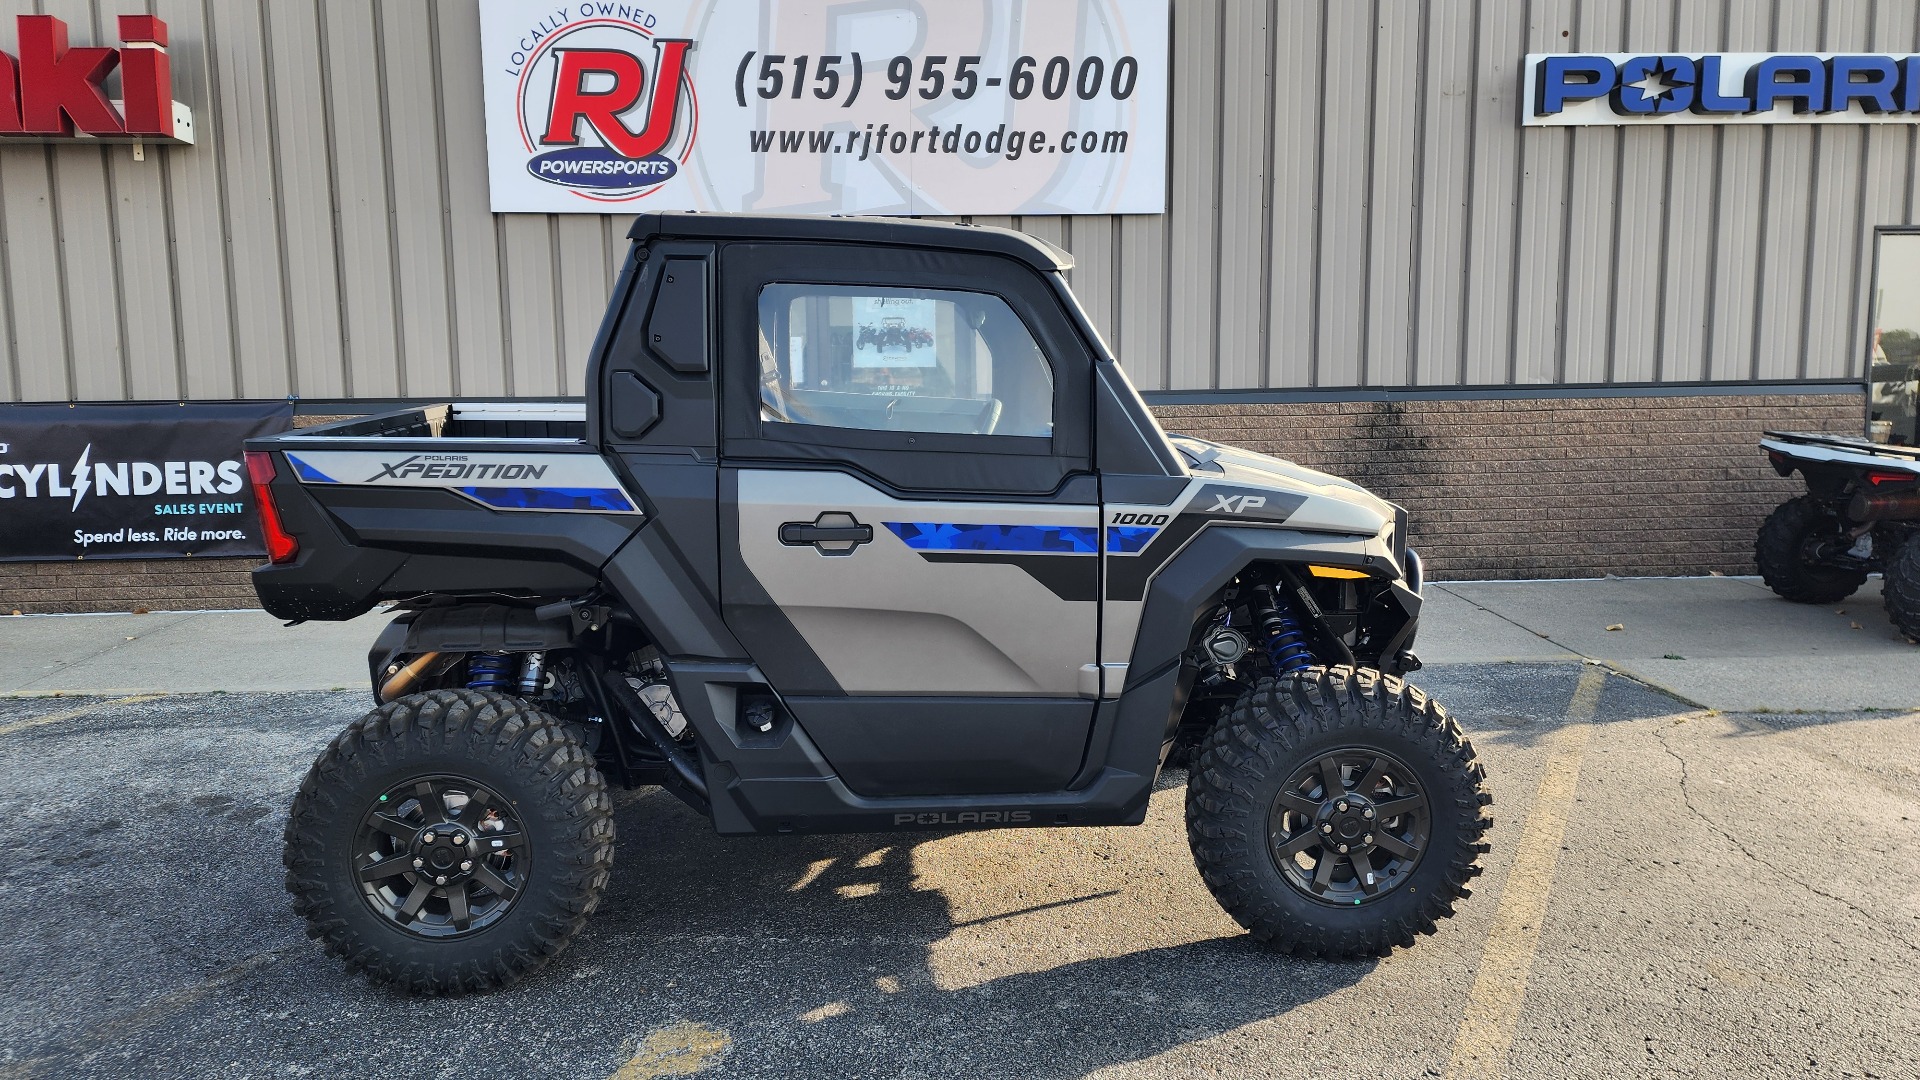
x=449, y=841
x=1337, y=813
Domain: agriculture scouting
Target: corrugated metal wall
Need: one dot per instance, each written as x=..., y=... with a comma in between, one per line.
x=1351, y=203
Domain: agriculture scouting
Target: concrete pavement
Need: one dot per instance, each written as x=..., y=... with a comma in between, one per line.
x=1723, y=643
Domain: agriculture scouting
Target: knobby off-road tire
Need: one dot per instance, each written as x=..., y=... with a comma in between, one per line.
x=533, y=793
x=1780, y=553
x=1900, y=588
x=1264, y=757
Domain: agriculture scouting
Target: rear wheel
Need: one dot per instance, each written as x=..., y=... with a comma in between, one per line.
x=1337, y=813
x=1900, y=588
x=449, y=841
x=1785, y=553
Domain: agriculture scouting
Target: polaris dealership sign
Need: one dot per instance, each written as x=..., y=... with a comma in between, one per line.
x=885, y=106
x=1721, y=88
x=129, y=481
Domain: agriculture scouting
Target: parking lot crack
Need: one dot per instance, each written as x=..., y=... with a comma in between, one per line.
x=1686, y=798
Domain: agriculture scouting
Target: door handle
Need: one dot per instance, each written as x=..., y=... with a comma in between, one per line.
x=834, y=532
x=794, y=534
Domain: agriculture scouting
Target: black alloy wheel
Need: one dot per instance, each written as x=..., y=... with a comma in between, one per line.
x=441, y=856
x=450, y=841
x=1337, y=812
x=1348, y=828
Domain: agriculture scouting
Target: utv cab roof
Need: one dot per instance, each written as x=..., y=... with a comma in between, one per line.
x=893, y=232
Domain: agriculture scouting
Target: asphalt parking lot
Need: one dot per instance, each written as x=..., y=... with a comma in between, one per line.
x=1672, y=892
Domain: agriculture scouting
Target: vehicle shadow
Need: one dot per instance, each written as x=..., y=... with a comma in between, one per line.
x=829, y=956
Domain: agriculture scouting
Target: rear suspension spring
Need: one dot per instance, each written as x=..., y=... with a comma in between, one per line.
x=488, y=671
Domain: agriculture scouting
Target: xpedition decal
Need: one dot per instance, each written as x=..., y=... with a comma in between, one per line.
x=606, y=108
x=565, y=482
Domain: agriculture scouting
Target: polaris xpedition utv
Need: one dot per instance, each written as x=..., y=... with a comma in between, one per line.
x=861, y=529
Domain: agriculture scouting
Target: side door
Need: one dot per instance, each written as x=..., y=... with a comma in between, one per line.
x=910, y=524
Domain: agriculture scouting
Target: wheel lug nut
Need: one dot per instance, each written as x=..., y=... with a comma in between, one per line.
x=1342, y=807
x=1343, y=849
x=1367, y=813
x=418, y=863
x=1327, y=828
x=1367, y=839
x=439, y=881
x=459, y=839
x=468, y=865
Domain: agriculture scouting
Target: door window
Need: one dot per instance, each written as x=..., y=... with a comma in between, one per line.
x=889, y=358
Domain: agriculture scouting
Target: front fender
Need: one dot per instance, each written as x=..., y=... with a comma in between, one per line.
x=1185, y=589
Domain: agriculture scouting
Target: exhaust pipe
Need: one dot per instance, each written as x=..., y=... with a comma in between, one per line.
x=404, y=679
x=1885, y=506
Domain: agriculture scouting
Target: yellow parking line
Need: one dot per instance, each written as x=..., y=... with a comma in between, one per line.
x=675, y=1050
x=54, y=718
x=1485, y=1038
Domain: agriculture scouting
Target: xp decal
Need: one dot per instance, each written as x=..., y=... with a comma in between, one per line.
x=605, y=108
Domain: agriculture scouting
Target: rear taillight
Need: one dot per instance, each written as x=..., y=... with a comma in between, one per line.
x=281, y=546
x=1878, y=477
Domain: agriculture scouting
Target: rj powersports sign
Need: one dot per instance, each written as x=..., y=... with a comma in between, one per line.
x=129, y=481
x=52, y=92
x=814, y=106
x=1721, y=88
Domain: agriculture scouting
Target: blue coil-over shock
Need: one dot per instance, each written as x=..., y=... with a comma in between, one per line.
x=1285, y=639
x=488, y=671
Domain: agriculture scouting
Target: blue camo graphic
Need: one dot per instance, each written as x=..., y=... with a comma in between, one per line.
x=525, y=498
x=1023, y=539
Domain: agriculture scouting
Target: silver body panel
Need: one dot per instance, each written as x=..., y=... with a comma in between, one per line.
x=884, y=619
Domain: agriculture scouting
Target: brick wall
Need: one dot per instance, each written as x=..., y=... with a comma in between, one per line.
x=1536, y=488
x=1550, y=487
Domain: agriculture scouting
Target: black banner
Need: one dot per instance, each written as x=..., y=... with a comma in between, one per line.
x=130, y=481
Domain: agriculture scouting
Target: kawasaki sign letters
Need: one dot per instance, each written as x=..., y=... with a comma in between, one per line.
x=52, y=92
